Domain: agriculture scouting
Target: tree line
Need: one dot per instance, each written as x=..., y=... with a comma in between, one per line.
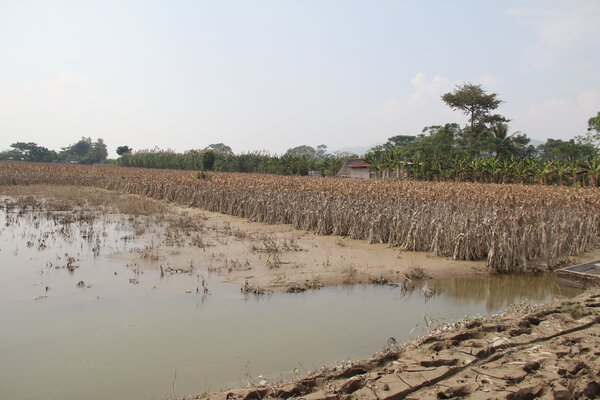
x=85, y=151
x=219, y=157
x=484, y=150
x=216, y=157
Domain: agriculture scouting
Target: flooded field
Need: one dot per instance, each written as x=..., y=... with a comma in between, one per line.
x=136, y=302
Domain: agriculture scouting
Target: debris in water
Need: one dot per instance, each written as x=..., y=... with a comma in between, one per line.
x=250, y=289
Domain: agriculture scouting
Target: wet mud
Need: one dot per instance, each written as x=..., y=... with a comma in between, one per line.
x=103, y=287
x=544, y=352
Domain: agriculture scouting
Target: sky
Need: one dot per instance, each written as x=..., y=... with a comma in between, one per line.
x=275, y=74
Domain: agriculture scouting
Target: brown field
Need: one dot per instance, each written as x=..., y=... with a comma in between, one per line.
x=259, y=258
x=515, y=228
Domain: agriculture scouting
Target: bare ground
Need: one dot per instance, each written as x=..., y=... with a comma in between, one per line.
x=548, y=352
x=252, y=255
x=280, y=258
x=544, y=352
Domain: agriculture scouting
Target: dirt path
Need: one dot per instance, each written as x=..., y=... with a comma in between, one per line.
x=548, y=352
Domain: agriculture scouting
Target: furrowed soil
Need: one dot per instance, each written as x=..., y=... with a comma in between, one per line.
x=544, y=352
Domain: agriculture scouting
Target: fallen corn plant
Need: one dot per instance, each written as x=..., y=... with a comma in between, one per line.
x=516, y=228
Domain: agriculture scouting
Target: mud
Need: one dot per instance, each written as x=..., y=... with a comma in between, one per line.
x=258, y=257
x=281, y=259
x=110, y=239
x=544, y=352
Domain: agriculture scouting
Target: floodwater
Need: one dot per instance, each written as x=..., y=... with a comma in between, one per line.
x=126, y=332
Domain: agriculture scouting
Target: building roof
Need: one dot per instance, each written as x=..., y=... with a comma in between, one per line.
x=357, y=163
x=352, y=164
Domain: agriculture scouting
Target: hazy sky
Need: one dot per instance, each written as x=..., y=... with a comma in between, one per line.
x=277, y=74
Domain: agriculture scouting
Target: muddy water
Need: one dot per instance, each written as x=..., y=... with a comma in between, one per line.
x=130, y=333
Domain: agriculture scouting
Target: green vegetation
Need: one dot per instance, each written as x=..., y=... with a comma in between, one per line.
x=215, y=157
x=592, y=135
x=122, y=150
x=485, y=151
x=82, y=152
x=29, y=152
x=297, y=161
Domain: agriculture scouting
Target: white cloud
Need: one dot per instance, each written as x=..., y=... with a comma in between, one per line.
x=424, y=91
x=559, y=118
x=559, y=25
x=409, y=113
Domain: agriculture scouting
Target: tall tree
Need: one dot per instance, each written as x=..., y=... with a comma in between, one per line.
x=567, y=151
x=85, y=151
x=321, y=151
x=79, y=149
x=594, y=123
x=97, y=153
x=476, y=139
x=304, y=151
x=219, y=148
x=123, y=150
x=474, y=102
x=31, y=152
x=208, y=160
x=505, y=144
x=592, y=136
x=399, y=140
x=435, y=143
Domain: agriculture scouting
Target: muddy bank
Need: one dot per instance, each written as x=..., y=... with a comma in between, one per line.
x=546, y=352
x=257, y=257
x=84, y=266
x=513, y=228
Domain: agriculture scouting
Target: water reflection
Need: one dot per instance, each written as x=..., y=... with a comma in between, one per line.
x=499, y=291
x=112, y=338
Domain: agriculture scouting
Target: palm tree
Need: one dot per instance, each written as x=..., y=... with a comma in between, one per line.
x=505, y=144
